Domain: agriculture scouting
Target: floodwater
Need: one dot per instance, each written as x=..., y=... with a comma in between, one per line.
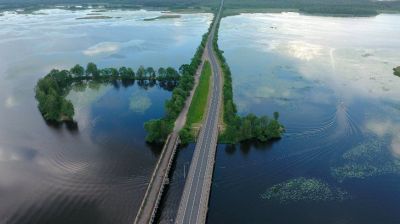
x=332, y=82
x=97, y=171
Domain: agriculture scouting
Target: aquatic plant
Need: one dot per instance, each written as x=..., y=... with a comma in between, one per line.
x=303, y=189
x=366, y=160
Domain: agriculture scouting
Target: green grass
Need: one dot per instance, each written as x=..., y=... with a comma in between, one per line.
x=199, y=101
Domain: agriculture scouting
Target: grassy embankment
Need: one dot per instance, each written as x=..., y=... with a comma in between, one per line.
x=198, y=105
x=200, y=97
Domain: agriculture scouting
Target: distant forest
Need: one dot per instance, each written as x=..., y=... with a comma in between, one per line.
x=331, y=7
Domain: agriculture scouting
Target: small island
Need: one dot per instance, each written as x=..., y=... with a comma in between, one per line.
x=396, y=71
x=163, y=17
x=51, y=90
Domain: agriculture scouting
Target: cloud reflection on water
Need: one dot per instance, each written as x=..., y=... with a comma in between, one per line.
x=353, y=57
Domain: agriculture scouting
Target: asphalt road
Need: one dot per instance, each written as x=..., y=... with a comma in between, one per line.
x=194, y=202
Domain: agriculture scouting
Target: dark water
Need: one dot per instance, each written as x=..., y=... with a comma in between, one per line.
x=96, y=174
x=331, y=81
x=97, y=171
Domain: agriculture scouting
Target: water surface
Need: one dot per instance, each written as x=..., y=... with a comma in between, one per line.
x=331, y=80
x=97, y=171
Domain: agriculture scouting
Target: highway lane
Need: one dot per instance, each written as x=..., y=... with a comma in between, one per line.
x=194, y=202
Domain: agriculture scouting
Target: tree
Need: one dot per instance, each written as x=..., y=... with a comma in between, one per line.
x=151, y=73
x=185, y=68
x=179, y=91
x=123, y=72
x=130, y=73
x=61, y=77
x=67, y=109
x=77, y=70
x=185, y=135
x=114, y=73
x=172, y=74
x=91, y=69
x=158, y=130
x=161, y=74
x=275, y=129
x=141, y=73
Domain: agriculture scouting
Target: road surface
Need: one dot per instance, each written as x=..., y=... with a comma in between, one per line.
x=194, y=202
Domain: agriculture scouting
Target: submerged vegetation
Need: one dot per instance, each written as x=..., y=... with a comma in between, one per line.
x=303, y=189
x=249, y=127
x=52, y=89
x=367, y=160
x=396, y=71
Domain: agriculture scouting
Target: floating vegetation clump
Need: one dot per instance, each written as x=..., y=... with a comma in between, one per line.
x=367, y=160
x=303, y=189
x=139, y=103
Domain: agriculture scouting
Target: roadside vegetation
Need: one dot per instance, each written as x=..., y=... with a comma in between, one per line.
x=51, y=90
x=396, y=71
x=159, y=129
x=249, y=127
x=198, y=105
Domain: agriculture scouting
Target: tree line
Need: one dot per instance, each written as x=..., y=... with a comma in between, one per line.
x=159, y=129
x=249, y=127
x=52, y=89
